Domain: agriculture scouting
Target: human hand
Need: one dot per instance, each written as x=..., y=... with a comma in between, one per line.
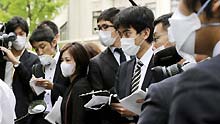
x=44, y=83
x=10, y=56
x=121, y=110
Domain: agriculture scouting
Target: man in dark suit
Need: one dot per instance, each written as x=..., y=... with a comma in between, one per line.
x=135, y=26
x=196, y=95
x=103, y=67
x=45, y=44
x=16, y=70
x=159, y=96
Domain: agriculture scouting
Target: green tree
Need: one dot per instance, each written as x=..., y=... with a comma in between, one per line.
x=34, y=11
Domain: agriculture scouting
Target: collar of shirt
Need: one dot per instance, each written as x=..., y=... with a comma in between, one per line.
x=145, y=59
x=117, y=56
x=216, y=49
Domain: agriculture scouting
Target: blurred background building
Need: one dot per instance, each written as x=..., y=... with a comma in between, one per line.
x=78, y=20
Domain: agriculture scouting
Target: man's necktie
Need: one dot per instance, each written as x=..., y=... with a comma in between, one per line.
x=121, y=53
x=136, y=77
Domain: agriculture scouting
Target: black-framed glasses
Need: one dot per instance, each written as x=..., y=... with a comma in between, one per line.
x=103, y=27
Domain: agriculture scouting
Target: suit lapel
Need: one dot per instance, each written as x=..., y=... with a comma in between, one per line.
x=148, y=76
x=130, y=69
x=109, y=58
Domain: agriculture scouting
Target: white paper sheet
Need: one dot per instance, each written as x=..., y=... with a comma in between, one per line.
x=129, y=102
x=55, y=115
x=96, y=100
x=38, y=90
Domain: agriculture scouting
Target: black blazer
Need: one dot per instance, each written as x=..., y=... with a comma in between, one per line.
x=72, y=107
x=20, y=84
x=155, y=109
x=196, y=96
x=102, y=70
x=124, y=77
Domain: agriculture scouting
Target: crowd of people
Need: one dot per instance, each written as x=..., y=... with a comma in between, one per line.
x=173, y=58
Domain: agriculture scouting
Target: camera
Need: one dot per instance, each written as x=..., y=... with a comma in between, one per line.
x=163, y=72
x=6, y=41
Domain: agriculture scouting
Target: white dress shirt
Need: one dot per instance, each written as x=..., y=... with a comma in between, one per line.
x=117, y=55
x=145, y=59
x=9, y=71
x=7, y=104
x=49, y=75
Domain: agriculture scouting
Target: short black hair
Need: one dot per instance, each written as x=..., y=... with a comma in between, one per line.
x=164, y=20
x=191, y=4
x=16, y=22
x=50, y=24
x=137, y=17
x=108, y=14
x=42, y=34
x=80, y=56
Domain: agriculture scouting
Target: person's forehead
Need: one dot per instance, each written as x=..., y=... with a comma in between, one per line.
x=19, y=30
x=101, y=22
x=159, y=28
x=39, y=43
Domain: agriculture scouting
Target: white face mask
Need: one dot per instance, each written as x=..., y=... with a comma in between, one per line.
x=19, y=43
x=46, y=59
x=67, y=69
x=129, y=47
x=106, y=38
x=159, y=49
x=182, y=30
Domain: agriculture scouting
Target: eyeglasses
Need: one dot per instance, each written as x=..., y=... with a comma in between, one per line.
x=103, y=27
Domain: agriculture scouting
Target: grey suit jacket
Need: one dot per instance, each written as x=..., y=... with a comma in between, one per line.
x=102, y=70
x=196, y=96
x=155, y=109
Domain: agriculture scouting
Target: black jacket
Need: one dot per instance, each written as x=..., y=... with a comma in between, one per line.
x=72, y=107
x=20, y=85
x=102, y=70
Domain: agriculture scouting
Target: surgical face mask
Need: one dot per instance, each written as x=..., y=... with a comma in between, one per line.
x=129, y=47
x=106, y=38
x=46, y=59
x=67, y=69
x=182, y=30
x=19, y=43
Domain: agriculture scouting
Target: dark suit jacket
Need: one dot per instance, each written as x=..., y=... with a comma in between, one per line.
x=74, y=107
x=124, y=77
x=157, y=102
x=197, y=95
x=102, y=70
x=22, y=75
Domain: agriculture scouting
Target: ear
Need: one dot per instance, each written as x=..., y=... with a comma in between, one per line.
x=146, y=33
x=54, y=43
x=216, y=7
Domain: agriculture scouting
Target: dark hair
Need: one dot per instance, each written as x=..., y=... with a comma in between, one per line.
x=81, y=57
x=137, y=17
x=108, y=14
x=16, y=22
x=191, y=4
x=92, y=49
x=50, y=24
x=42, y=34
x=163, y=20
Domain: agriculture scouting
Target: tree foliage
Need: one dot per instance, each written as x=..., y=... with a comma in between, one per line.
x=34, y=11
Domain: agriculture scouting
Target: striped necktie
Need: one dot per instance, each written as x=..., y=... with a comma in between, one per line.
x=136, y=77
